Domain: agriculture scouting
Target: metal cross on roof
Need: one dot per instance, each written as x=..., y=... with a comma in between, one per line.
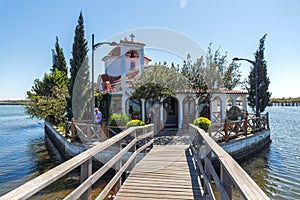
x=132, y=36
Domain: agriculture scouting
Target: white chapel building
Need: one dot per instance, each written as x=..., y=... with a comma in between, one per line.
x=126, y=61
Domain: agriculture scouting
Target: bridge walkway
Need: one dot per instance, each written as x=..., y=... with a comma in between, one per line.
x=166, y=172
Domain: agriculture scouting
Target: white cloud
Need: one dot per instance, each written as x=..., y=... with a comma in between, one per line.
x=182, y=4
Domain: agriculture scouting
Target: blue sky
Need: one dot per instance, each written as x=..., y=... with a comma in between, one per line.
x=29, y=28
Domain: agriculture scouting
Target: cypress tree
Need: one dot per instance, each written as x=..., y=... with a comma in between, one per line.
x=48, y=97
x=59, y=66
x=79, y=63
x=58, y=59
x=262, y=79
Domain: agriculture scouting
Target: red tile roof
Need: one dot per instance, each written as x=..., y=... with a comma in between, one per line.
x=116, y=84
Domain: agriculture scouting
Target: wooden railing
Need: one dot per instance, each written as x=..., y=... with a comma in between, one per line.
x=88, y=132
x=205, y=149
x=216, y=117
x=140, y=138
x=231, y=129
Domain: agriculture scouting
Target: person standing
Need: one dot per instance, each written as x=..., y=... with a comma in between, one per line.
x=98, y=117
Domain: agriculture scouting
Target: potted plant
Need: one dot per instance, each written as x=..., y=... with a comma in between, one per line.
x=202, y=122
x=135, y=122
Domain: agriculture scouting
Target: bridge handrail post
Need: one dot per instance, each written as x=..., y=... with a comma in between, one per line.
x=267, y=120
x=85, y=172
x=89, y=132
x=134, y=150
x=152, y=129
x=118, y=166
x=226, y=130
x=67, y=127
x=231, y=172
x=226, y=181
x=246, y=125
x=73, y=129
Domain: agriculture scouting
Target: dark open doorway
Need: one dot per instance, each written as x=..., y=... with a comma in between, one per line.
x=170, y=113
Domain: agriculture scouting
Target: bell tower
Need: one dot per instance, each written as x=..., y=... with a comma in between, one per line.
x=131, y=52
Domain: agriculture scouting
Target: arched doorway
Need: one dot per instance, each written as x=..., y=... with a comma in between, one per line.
x=170, y=112
x=204, y=106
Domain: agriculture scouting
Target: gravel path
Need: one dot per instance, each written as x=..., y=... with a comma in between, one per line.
x=172, y=137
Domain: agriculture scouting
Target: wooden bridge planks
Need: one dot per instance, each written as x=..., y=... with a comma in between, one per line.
x=166, y=172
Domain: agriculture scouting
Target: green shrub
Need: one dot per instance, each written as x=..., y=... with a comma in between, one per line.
x=136, y=112
x=135, y=122
x=118, y=119
x=202, y=122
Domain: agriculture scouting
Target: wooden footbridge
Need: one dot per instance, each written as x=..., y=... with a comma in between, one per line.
x=165, y=172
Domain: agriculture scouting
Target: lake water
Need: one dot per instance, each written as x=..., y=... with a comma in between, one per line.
x=20, y=137
x=25, y=153
x=277, y=169
x=24, y=150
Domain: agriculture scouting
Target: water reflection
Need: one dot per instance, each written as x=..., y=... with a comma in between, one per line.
x=255, y=166
x=46, y=156
x=276, y=169
x=43, y=156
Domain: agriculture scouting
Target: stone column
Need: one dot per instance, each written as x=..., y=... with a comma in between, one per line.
x=124, y=98
x=234, y=100
x=180, y=99
x=223, y=107
x=143, y=109
x=123, y=71
x=141, y=55
x=245, y=102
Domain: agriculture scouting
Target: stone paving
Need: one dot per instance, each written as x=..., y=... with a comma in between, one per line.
x=172, y=137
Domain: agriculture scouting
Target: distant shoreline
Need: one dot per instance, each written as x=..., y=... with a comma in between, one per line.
x=13, y=102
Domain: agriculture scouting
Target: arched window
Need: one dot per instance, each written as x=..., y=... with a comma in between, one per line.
x=188, y=111
x=229, y=103
x=188, y=105
x=216, y=109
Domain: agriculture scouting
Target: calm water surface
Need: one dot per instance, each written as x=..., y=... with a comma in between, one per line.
x=25, y=153
x=277, y=168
